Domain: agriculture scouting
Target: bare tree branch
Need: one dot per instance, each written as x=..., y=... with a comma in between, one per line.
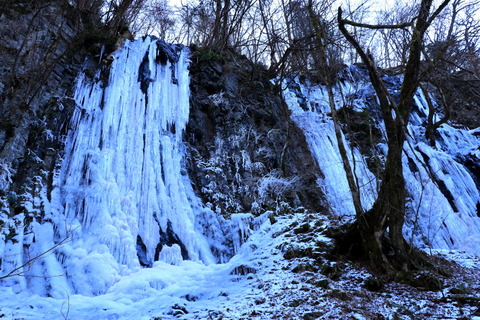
x=437, y=12
x=18, y=270
x=378, y=26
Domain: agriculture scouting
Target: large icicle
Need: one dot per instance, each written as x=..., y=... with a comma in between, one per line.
x=123, y=198
x=314, y=119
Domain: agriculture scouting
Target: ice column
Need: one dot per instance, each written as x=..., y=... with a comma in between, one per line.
x=314, y=119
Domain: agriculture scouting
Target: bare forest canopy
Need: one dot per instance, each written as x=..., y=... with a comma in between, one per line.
x=281, y=33
x=283, y=36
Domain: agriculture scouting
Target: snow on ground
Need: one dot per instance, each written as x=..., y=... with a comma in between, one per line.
x=281, y=272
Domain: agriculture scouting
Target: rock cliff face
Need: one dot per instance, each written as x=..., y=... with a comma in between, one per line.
x=245, y=154
x=40, y=61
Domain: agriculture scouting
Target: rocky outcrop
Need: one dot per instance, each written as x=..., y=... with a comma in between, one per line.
x=466, y=107
x=40, y=57
x=245, y=154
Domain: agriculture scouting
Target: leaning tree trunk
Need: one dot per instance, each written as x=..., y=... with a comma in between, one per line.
x=327, y=73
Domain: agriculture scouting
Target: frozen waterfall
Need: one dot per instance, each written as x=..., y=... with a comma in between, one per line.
x=311, y=112
x=122, y=198
x=443, y=200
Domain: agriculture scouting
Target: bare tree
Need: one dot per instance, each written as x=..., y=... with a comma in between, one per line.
x=394, y=41
x=157, y=18
x=449, y=70
x=228, y=23
x=196, y=22
x=120, y=14
x=380, y=229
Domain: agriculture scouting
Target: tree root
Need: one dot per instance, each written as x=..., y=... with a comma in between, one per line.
x=415, y=268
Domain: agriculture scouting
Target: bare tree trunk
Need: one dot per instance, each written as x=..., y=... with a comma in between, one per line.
x=224, y=41
x=328, y=76
x=432, y=126
x=219, y=37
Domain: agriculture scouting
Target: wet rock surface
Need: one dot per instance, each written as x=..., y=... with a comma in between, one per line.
x=40, y=61
x=245, y=154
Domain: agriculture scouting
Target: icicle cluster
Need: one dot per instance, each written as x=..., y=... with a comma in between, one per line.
x=123, y=198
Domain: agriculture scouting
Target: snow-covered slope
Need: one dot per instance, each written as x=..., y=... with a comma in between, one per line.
x=278, y=273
